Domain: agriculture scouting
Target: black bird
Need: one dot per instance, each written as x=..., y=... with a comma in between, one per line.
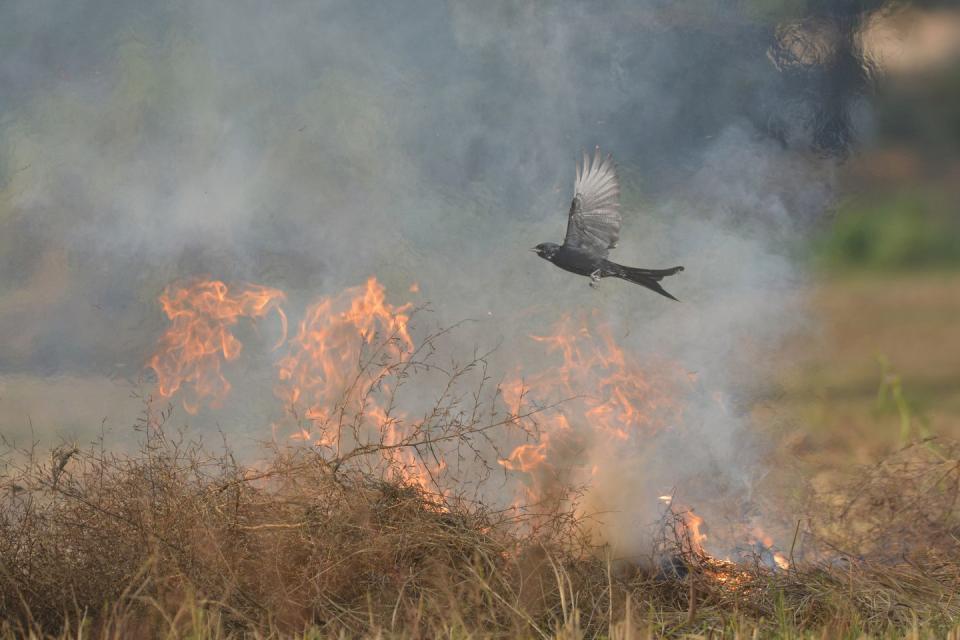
x=593, y=228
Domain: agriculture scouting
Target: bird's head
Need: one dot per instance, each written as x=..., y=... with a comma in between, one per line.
x=546, y=250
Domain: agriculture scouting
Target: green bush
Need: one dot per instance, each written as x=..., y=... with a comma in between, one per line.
x=901, y=231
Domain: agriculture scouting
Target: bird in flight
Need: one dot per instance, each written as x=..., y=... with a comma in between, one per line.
x=593, y=228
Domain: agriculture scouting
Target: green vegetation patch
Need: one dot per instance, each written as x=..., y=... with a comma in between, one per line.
x=905, y=230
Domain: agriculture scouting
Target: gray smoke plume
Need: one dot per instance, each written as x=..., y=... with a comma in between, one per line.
x=309, y=145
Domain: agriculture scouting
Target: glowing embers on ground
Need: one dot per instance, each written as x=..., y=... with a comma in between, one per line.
x=191, y=351
x=683, y=543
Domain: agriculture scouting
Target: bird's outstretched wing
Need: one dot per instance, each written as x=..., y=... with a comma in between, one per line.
x=594, y=223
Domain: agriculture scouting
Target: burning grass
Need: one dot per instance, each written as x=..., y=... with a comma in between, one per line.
x=374, y=518
x=175, y=542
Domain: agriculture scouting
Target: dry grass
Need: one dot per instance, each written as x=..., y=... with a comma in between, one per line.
x=177, y=542
x=173, y=542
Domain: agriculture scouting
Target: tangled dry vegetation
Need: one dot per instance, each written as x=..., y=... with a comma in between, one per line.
x=172, y=542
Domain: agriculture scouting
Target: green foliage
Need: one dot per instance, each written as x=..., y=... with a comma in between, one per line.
x=902, y=231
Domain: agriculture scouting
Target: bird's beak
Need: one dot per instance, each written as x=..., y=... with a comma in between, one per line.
x=534, y=249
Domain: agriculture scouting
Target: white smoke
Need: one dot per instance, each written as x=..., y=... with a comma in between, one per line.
x=309, y=145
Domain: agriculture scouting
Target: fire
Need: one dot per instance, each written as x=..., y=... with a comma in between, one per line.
x=527, y=457
x=338, y=375
x=623, y=400
x=324, y=376
x=335, y=378
x=601, y=397
x=765, y=543
x=691, y=539
x=697, y=538
x=191, y=351
x=685, y=525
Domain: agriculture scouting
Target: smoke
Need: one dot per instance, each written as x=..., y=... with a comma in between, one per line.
x=308, y=145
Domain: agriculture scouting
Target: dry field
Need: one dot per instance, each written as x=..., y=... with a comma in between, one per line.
x=880, y=366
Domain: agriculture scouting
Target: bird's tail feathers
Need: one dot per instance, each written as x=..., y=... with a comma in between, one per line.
x=654, y=274
x=649, y=278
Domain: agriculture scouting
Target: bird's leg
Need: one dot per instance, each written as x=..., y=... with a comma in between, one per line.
x=595, y=278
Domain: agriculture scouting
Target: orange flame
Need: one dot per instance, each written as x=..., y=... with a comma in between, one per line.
x=339, y=371
x=697, y=537
x=760, y=538
x=324, y=358
x=622, y=399
x=337, y=377
x=607, y=399
x=198, y=340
